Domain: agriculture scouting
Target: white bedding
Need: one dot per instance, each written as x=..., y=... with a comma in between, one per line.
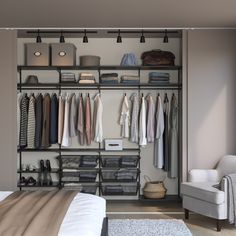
x=84, y=216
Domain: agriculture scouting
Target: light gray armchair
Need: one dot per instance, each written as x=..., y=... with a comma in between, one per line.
x=202, y=193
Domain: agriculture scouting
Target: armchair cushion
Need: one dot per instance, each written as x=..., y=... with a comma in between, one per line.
x=203, y=191
x=201, y=175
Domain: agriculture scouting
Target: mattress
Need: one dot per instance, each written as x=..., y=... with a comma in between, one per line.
x=84, y=216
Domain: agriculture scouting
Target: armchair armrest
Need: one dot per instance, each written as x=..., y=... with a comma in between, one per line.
x=201, y=175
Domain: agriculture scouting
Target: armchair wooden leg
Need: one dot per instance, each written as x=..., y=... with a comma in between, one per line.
x=186, y=213
x=218, y=225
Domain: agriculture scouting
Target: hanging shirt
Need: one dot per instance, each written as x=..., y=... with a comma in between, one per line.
x=80, y=123
x=166, y=134
x=88, y=123
x=158, y=144
x=19, y=97
x=31, y=123
x=173, y=152
x=73, y=116
x=46, y=120
x=134, y=119
x=98, y=110
x=142, y=124
x=61, y=111
x=23, y=120
x=125, y=118
x=39, y=120
x=66, y=140
x=150, y=119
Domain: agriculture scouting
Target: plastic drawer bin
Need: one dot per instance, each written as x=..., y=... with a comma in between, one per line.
x=70, y=162
x=89, y=161
x=126, y=189
x=119, y=175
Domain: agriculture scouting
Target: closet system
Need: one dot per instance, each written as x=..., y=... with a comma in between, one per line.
x=157, y=106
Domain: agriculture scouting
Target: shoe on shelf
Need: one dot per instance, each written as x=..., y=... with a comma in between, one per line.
x=49, y=169
x=31, y=181
x=22, y=181
x=48, y=166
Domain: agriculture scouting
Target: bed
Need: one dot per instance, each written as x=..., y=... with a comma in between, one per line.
x=86, y=216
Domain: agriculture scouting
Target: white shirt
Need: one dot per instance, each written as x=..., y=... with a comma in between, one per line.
x=142, y=124
x=98, y=130
x=66, y=140
x=159, y=155
x=125, y=118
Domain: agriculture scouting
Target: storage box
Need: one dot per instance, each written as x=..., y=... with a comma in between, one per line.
x=89, y=60
x=63, y=54
x=113, y=144
x=37, y=54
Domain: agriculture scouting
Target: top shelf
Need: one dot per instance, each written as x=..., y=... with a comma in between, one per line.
x=105, y=67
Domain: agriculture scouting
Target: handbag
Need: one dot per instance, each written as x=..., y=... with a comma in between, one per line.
x=157, y=58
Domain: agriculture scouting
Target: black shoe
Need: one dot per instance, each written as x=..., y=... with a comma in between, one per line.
x=22, y=181
x=31, y=181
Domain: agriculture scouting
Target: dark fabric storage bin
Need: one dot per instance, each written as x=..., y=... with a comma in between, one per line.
x=89, y=161
x=119, y=175
x=127, y=189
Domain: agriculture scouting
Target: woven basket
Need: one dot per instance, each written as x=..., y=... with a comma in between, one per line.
x=154, y=189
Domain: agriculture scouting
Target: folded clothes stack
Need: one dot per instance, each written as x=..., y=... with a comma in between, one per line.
x=86, y=78
x=112, y=162
x=159, y=77
x=129, y=161
x=88, y=161
x=88, y=176
x=125, y=175
x=73, y=186
x=67, y=77
x=109, y=78
x=130, y=79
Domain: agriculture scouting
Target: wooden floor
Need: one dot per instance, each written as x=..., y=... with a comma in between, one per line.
x=198, y=225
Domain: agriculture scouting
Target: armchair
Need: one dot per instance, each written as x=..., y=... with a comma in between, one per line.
x=203, y=195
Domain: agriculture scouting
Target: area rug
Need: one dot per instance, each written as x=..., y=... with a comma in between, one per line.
x=147, y=227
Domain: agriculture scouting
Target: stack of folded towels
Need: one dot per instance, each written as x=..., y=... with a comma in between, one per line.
x=129, y=79
x=86, y=78
x=109, y=78
x=159, y=77
x=67, y=77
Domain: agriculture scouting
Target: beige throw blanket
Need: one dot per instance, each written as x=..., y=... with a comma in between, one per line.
x=38, y=213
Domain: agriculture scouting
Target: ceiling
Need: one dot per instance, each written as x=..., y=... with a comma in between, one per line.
x=118, y=13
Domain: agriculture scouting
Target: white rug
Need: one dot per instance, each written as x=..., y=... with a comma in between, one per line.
x=147, y=227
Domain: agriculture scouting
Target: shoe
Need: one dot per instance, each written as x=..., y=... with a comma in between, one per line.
x=22, y=181
x=41, y=173
x=31, y=181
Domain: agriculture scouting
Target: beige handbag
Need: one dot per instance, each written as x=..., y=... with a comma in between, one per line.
x=154, y=189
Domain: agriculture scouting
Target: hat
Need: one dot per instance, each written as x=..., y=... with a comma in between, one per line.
x=32, y=79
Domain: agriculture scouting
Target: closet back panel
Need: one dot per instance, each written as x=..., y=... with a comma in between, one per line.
x=111, y=54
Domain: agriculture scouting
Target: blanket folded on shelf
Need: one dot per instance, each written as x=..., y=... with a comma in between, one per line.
x=34, y=212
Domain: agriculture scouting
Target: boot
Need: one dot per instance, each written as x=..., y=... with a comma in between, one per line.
x=49, y=169
x=41, y=173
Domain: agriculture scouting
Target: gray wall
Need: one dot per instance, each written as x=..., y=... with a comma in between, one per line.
x=8, y=60
x=211, y=71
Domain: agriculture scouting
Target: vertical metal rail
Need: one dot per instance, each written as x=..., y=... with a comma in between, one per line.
x=179, y=128
x=59, y=147
x=20, y=153
x=139, y=152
